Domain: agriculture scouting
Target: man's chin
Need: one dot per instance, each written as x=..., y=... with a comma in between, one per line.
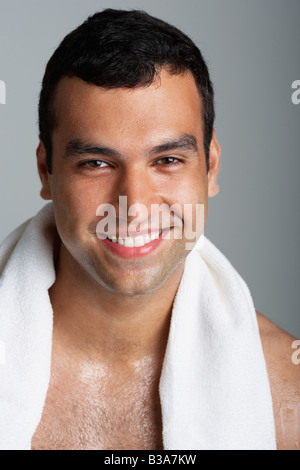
x=130, y=283
x=136, y=279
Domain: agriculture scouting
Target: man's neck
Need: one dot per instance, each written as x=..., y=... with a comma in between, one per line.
x=106, y=326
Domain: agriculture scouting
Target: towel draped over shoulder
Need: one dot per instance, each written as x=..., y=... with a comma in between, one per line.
x=214, y=387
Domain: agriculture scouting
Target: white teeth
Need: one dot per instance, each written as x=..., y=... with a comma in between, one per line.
x=135, y=242
x=139, y=241
x=154, y=236
x=147, y=239
x=129, y=242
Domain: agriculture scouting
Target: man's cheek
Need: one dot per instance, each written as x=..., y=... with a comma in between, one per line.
x=194, y=222
x=71, y=199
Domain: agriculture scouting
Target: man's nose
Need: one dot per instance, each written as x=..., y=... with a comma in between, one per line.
x=138, y=185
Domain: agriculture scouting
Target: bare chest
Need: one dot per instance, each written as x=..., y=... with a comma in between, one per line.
x=99, y=410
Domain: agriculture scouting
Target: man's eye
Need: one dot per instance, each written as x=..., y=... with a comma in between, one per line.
x=94, y=164
x=169, y=161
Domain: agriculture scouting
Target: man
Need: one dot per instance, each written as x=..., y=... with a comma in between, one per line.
x=153, y=345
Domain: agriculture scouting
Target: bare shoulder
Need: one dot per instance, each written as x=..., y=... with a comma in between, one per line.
x=284, y=375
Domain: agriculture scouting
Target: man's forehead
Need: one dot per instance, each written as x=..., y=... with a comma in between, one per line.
x=170, y=106
x=75, y=90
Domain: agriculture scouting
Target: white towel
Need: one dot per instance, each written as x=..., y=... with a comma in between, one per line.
x=214, y=386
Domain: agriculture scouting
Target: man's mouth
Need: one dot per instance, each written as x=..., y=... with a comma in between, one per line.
x=138, y=241
x=134, y=247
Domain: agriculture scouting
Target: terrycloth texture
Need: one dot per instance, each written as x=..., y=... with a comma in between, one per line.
x=27, y=272
x=214, y=386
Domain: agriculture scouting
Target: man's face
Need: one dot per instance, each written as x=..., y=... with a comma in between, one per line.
x=146, y=144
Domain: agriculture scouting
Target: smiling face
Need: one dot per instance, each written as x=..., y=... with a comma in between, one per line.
x=144, y=143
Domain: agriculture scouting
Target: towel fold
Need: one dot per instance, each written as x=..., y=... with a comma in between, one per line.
x=214, y=387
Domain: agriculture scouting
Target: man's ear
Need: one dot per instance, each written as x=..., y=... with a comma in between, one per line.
x=214, y=166
x=43, y=172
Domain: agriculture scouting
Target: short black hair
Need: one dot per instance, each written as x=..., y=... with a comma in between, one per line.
x=123, y=49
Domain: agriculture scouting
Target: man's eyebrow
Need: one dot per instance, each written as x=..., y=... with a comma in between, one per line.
x=77, y=147
x=186, y=142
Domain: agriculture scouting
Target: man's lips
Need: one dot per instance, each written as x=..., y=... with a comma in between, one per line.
x=136, y=247
x=153, y=233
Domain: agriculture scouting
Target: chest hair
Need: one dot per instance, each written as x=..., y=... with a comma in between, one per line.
x=101, y=409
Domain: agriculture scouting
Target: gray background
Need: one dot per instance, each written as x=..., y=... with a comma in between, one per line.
x=252, y=49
